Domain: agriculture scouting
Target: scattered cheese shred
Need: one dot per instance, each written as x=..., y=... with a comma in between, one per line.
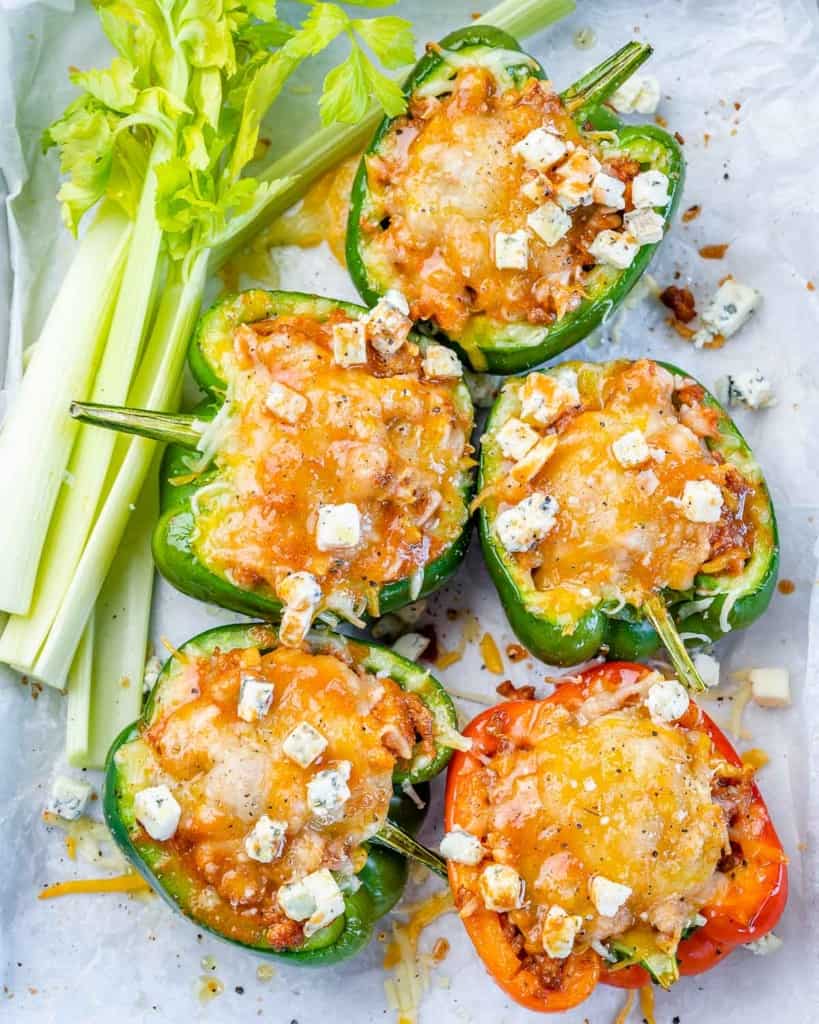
x=448, y=737
x=88, y=840
x=119, y=883
x=447, y=658
x=647, y=1004
x=169, y=647
x=487, y=699
x=410, y=980
x=740, y=702
x=626, y=1008
x=491, y=655
x=756, y=757
x=183, y=480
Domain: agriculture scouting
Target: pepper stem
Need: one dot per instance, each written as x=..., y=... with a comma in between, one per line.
x=395, y=838
x=599, y=83
x=655, y=608
x=158, y=426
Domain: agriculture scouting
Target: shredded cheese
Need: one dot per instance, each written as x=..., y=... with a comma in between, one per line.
x=626, y=1008
x=447, y=658
x=756, y=757
x=88, y=840
x=210, y=490
x=475, y=698
x=119, y=883
x=409, y=790
x=491, y=655
x=647, y=1004
x=213, y=434
x=448, y=737
x=740, y=702
x=690, y=608
x=410, y=980
x=725, y=611
x=173, y=651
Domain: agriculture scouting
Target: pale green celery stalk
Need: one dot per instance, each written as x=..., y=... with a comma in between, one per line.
x=77, y=502
x=315, y=156
x=38, y=434
x=525, y=17
x=78, y=711
x=105, y=680
x=156, y=387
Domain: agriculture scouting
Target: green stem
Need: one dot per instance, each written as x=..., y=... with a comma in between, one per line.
x=655, y=608
x=599, y=83
x=169, y=428
x=395, y=838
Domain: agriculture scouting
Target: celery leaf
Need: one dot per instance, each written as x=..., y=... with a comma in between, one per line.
x=113, y=86
x=389, y=38
x=346, y=93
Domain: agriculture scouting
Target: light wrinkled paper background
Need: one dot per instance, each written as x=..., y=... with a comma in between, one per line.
x=99, y=958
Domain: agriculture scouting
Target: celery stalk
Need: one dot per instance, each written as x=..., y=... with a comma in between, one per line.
x=105, y=687
x=156, y=387
x=526, y=17
x=38, y=434
x=78, y=711
x=306, y=162
x=77, y=503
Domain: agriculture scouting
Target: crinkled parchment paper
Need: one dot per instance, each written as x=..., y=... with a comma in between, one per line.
x=106, y=957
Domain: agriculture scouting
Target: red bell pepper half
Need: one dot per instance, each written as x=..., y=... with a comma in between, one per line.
x=747, y=908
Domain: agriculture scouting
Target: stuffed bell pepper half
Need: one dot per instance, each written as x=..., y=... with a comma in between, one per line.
x=609, y=833
x=511, y=217
x=261, y=791
x=620, y=507
x=329, y=471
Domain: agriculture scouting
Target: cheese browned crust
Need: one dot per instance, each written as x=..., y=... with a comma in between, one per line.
x=446, y=179
x=226, y=773
x=622, y=531
x=605, y=791
x=377, y=435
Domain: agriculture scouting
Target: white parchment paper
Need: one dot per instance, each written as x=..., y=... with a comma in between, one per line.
x=106, y=958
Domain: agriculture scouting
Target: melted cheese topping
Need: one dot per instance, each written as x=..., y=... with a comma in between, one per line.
x=225, y=773
x=321, y=216
x=446, y=179
x=615, y=536
x=617, y=796
x=376, y=435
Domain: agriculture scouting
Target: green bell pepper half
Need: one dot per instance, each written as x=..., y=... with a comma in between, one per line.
x=714, y=606
x=384, y=873
x=174, y=537
x=501, y=347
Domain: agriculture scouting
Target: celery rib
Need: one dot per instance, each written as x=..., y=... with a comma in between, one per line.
x=88, y=467
x=38, y=434
x=156, y=387
x=105, y=681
